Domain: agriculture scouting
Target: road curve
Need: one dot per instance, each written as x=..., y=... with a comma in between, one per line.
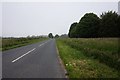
x=39, y=60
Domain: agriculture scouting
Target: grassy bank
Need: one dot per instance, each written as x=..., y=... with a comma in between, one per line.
x=83, y=57
x=9, y=43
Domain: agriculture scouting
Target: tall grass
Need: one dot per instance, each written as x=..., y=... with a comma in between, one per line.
x=106, y=50
x=9, y=43
x=78, y=65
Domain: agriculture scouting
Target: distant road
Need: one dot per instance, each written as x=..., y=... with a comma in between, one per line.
x=39, y=60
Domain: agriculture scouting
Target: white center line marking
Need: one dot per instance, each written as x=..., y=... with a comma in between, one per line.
x=23, y=55
x=43, y=43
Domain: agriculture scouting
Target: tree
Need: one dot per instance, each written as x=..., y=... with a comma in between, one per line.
x=50, y=35
x=110, y=24
x=88, y=26
x=72, y=30
x=118, y=25
x=64, y=36
x=56, y=36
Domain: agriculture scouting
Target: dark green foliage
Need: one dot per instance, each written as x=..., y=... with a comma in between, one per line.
x=56, y=36
x=109, y=26
x=72, y=31
x=88, y=25
x=50, y=35
x=118, y=25
x=64, y=36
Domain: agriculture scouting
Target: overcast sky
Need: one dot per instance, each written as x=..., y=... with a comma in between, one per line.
x=41, y=18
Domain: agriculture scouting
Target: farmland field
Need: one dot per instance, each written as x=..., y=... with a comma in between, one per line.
x=9, y=43
x=0, y=44
x=90, y=57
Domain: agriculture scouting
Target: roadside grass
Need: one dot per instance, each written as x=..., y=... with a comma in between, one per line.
x=10, y=43
x=106, y=50
x=79, y=65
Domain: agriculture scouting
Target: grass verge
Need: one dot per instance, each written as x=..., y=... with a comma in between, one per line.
x=79, y=65
x=11, y=43
x=106, y=50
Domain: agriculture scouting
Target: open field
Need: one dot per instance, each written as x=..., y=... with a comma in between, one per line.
x=9, y=43
x=0, y=44
x=90, y=57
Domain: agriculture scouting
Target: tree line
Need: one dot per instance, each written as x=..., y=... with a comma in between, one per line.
x=92, y=26
x=50, y=35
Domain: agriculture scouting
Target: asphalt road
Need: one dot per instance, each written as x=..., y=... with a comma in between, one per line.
x=39, y=60
x=0, y=65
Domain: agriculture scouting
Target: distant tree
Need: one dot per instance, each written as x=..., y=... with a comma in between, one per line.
x=88, y=26
x=50, y=35
x=33, y=36
x=110, y=24
x=28, y=37
x=64, y=36
x=56, y=36
x=72, y=30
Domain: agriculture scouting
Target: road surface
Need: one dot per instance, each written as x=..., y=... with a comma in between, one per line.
x=39, y=60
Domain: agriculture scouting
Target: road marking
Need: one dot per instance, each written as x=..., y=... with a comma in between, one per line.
x=23, y=55
x=43, y=43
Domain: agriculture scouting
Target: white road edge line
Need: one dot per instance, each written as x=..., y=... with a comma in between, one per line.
x=23, y=55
